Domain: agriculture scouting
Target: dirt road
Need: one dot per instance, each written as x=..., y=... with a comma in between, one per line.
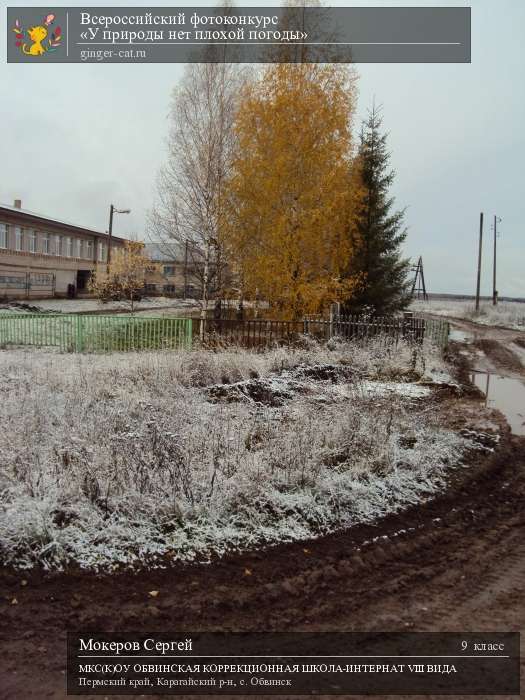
x=496, y=357
x=504, y=347
x=459, y=565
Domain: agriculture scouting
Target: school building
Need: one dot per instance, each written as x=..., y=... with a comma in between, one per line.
x=178, y=270
x=43, y=257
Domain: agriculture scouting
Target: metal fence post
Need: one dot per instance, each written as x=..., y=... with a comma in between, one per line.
x=79, y=327
x=335, y=311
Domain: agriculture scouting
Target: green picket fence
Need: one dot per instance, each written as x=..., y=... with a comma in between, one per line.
x=97, y=333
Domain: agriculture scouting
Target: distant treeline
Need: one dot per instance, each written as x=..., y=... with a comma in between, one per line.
x=467, y=297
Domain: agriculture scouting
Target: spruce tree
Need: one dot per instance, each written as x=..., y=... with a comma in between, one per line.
x=377, y=230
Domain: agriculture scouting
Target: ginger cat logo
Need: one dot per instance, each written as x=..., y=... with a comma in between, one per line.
x=39, y=40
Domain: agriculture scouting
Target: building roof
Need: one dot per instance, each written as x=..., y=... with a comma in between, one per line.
x=158, y=252
x=40, y=219
x=171, y=251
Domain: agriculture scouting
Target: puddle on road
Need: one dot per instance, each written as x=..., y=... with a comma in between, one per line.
x=505, y=394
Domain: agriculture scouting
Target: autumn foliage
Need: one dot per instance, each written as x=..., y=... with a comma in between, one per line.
x=123, y=278
x=289, y=198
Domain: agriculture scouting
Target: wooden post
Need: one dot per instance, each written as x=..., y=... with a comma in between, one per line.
x=479, y=259
x=494, y=291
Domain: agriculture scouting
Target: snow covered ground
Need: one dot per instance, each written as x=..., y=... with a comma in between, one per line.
x=510, y=314
x=136, y=459
x=75, y=305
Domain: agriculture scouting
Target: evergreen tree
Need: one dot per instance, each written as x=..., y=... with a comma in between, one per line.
x=377, y=232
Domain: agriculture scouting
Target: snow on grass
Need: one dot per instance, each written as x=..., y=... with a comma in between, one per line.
x=387, y=388
x=86, y=305
x=510, y=314
x=123, y=460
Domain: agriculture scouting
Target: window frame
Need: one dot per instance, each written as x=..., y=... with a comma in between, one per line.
x=32, y=241
x=4, y=234
x=19, y=239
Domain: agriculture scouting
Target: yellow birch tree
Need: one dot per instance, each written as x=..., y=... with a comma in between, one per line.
x=289, y=195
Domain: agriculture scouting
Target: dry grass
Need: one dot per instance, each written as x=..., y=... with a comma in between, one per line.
x=122, y=460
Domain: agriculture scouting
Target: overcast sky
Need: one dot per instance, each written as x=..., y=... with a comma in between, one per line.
x=74, y=138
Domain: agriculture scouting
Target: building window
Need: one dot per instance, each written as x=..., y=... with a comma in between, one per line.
x=89, y=252
x=79, y=247
x=101, y=252
x=69, y=247
x=18, y=238
x=3, y=235
x=45, y=244
x=41, y=279
x=58, y=245
x=32, y=241
x=169, y=270
x=13, y=281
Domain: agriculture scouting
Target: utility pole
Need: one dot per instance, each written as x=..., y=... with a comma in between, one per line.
x=110, y=236
x=113, y=210
x=479, y=259
x=418, y=285
x=494, y=290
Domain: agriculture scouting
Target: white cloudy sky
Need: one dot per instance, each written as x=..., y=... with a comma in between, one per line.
x=74, y=138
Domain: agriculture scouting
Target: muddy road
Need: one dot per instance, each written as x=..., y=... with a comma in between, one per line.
x=504, y=348
x=496, y=360
x=458, y=564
